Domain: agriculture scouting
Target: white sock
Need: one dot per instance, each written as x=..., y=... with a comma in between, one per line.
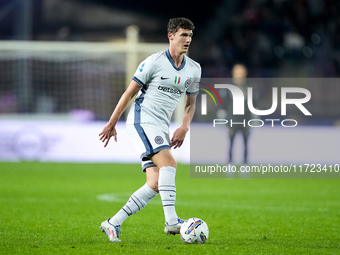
x=136, y=202
x=167, y=191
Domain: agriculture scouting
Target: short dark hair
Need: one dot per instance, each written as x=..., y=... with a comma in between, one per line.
x=176, y=23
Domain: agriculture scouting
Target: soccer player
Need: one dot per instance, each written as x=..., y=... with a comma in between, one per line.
x=160, y=81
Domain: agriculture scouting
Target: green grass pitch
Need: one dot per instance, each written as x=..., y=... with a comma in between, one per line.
x=57, y=208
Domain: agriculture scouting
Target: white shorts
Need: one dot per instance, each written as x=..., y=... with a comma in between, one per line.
x=148, y=139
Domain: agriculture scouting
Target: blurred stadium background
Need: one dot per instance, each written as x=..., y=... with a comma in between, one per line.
x=65, y=63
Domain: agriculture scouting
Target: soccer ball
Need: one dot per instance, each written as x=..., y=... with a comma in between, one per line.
x=194, y=230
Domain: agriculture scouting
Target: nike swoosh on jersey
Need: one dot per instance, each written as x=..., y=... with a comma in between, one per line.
x=163, y=78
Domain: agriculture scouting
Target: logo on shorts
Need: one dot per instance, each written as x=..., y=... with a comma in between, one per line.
x=159, y=140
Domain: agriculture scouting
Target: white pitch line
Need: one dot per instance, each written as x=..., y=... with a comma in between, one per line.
x=124, y=196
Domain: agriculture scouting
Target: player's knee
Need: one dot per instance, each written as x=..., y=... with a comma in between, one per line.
x=153, y=185
x=172, y=163
x=169, y=161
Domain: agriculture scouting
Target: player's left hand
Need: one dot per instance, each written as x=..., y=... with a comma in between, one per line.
x=178, y=137
x=108, y=131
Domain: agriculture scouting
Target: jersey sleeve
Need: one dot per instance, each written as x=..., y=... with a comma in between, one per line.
x=193, y=88
x=144, y=71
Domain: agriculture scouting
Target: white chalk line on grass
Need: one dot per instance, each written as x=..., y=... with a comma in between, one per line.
x=38, y=200
x=124, y=196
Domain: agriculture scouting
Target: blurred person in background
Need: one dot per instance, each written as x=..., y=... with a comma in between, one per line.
x=239, y=74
